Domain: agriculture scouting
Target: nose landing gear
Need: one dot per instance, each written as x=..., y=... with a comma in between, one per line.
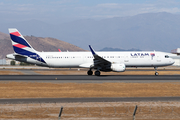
x=156, y=73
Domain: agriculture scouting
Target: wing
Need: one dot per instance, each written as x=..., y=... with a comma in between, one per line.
x=99, y=62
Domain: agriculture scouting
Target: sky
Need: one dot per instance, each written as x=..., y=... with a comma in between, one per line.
x=60, y=11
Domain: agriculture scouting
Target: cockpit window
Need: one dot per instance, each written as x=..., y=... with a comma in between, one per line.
x=166, y=56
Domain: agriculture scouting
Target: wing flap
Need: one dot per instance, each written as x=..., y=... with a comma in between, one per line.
x=86, y=65
x=98, y=60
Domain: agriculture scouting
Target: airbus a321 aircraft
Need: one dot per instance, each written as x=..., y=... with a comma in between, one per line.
x=98, y=61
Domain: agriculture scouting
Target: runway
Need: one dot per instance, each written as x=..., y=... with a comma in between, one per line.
x=91, y=79
x=72, y=100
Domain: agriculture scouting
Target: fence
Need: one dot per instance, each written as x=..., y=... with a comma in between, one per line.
x=105, y=110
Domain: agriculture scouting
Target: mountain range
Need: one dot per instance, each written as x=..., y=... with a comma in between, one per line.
x=149, y=31
x=38, y=43
x=119, y=49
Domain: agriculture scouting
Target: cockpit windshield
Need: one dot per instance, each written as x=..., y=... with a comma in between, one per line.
x=166, y=56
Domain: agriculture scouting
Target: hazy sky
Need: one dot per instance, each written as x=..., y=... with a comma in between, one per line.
x=59, y=11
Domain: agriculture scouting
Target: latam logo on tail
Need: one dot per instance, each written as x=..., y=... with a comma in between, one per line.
x=22, y=47
x=19, y=45
x=15, y=33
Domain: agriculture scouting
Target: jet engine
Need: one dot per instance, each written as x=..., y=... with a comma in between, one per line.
x=118, y=67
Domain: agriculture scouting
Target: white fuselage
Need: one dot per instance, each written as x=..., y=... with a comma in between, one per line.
x=100, y=61
x=85, y=59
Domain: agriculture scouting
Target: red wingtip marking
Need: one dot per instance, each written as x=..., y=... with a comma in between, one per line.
x=15, y=33
x=19, y=46
x=59, y=50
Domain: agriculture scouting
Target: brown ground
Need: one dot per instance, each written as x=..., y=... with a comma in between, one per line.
x=7, y=72
x=66, y=90
x=91, y=111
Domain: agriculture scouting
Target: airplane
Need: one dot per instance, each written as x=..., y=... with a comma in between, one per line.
x=98, y=61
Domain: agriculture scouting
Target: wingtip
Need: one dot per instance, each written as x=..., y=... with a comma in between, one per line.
x=92, y=51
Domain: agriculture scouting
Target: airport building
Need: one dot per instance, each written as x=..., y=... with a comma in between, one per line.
x=7, y=62
x=177, y=60
x=3, y=61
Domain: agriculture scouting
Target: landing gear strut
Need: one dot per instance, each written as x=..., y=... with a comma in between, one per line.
x=89, y=72
x=97, y=73
x=156, y=73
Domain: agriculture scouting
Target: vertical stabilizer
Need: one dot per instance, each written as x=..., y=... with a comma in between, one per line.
x=20, y=45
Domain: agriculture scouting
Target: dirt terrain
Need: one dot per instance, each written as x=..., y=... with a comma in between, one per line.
x=70, y=90
x=92, y=111
x=89, y=111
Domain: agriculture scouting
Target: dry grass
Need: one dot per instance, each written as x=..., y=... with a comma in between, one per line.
x=66, y=90
x=10, y=72
x=98, y=110
x=80, y=111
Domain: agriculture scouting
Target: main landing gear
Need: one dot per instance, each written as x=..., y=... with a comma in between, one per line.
x=89, y=72
x=97, y=73
x=156, y=73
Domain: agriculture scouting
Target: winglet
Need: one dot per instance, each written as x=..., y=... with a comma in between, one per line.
x=92, y=50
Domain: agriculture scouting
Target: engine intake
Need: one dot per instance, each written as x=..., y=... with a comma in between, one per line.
x=118, y=67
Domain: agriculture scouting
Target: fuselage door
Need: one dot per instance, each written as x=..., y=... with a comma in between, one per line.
x=158, y=58
x=126, y=59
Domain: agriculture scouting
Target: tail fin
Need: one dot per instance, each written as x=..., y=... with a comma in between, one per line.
x=20, y=45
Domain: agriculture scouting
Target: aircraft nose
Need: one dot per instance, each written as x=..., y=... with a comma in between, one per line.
x=172, y=61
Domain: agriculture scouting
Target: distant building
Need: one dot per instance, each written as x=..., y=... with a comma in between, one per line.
x=7, y=62
x=176, y=60
x=176, y=51
x=2, y=61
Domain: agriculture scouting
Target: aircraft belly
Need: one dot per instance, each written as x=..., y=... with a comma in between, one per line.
x=139, y=63
x=64, y=63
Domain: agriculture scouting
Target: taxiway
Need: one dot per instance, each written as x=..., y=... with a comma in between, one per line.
x=91, y=79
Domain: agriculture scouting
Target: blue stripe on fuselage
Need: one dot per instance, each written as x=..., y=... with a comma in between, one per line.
x=29, y=54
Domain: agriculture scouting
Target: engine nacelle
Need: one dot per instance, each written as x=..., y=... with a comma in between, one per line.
x=118, y=67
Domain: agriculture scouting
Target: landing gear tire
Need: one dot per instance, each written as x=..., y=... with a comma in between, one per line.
x=97, y=73
x=156, y=73
x=90, y=72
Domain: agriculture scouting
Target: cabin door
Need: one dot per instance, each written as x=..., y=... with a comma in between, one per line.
x=158, y=58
